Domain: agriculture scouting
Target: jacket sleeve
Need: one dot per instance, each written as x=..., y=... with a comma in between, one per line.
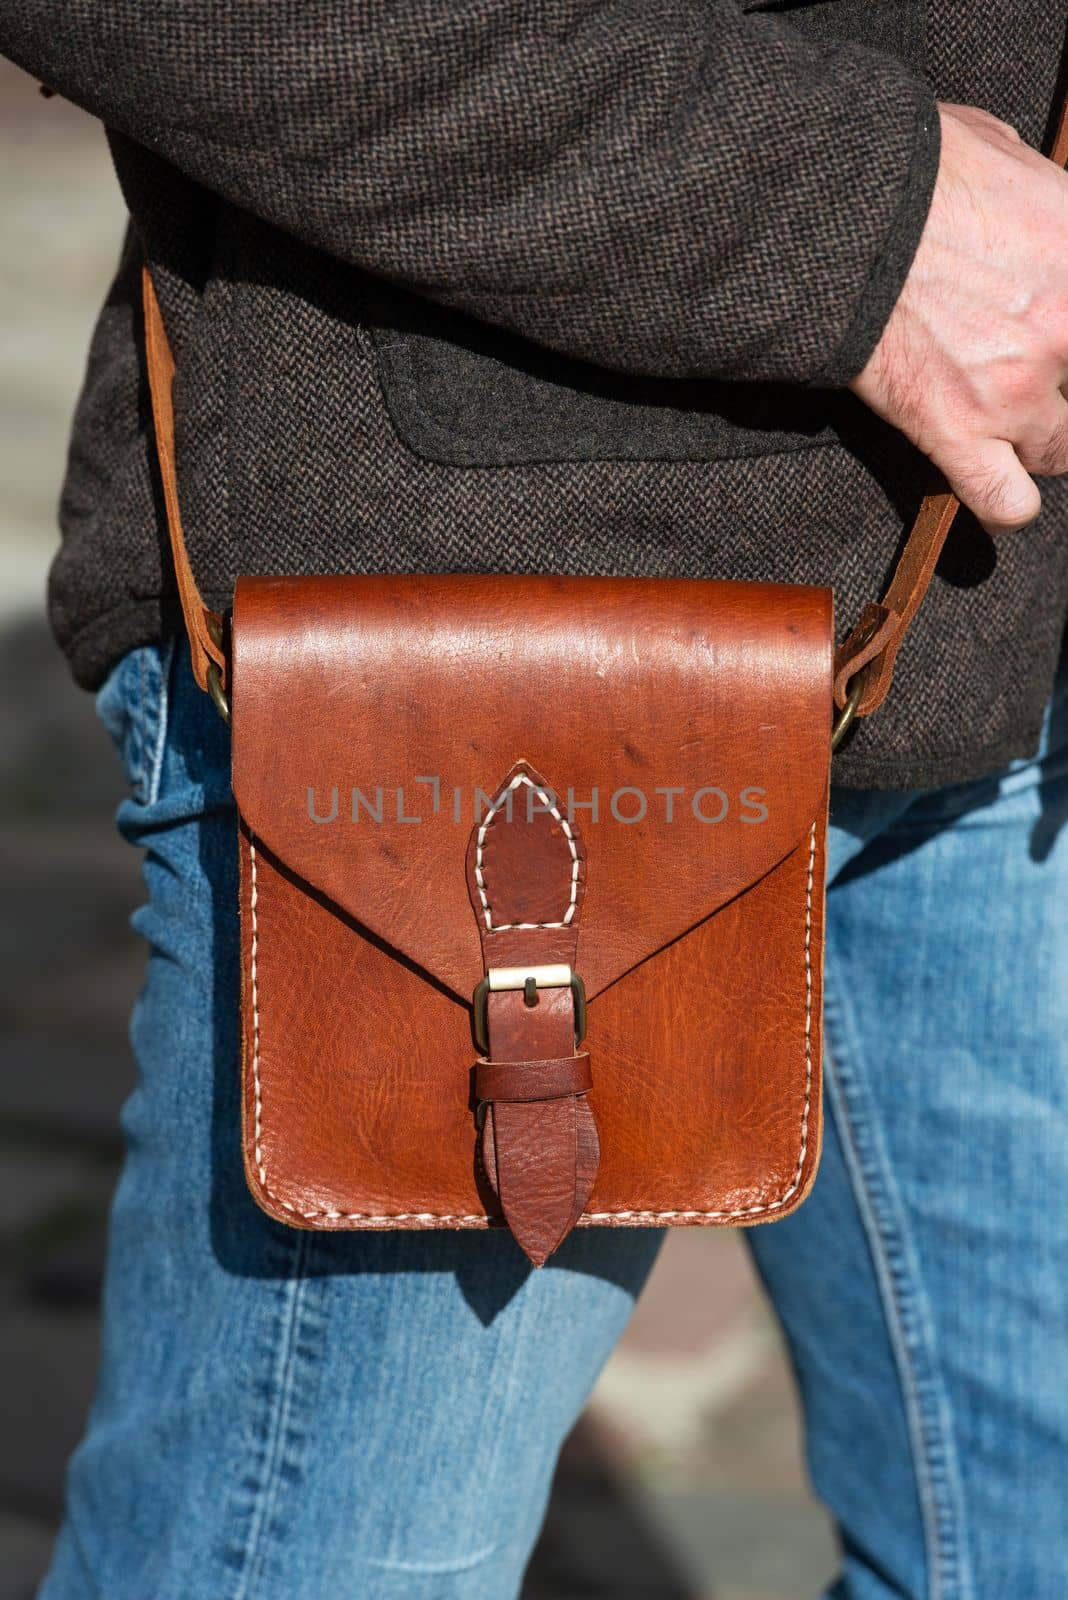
x=670, y=187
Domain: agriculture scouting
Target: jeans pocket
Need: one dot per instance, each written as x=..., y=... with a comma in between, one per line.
x=132, y=704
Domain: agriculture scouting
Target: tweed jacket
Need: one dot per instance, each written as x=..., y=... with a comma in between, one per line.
x=574, y=286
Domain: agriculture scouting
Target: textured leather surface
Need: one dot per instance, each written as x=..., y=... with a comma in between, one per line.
x=701, y=942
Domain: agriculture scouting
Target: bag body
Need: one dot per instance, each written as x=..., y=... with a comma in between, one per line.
x=453, y=777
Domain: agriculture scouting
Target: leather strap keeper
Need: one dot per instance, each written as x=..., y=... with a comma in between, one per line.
x=517, y=1081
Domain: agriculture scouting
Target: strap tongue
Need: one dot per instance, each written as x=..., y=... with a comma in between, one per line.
x=545, y=1161
x=540, y=1155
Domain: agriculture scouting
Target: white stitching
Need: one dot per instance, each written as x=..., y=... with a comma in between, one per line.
x=589, y=1217
x=480, y=882
x=256, y=1020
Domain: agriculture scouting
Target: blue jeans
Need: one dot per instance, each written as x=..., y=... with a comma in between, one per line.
x=296, y=1416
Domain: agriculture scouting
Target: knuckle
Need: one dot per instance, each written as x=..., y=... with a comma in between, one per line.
x=1056, y=453
x=1050, y=455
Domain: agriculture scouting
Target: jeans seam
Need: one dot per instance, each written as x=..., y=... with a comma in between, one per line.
x=284, y=1375
x=159, y=735
x=909, y=1333
x=134, y=748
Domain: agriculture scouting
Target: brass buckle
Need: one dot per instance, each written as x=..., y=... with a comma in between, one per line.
x=530, y=980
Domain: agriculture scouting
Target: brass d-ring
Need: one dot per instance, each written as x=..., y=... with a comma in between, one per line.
x=214, y=626
x=218, y=693
x=844, y=720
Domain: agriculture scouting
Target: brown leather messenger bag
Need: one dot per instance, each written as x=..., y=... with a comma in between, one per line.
x=532, y=882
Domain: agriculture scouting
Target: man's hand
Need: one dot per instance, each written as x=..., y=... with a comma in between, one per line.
x=972, y=361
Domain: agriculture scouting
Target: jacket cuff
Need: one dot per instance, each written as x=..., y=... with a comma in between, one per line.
x=891, y=267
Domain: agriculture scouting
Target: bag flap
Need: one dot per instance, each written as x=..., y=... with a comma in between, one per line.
x=373, y=715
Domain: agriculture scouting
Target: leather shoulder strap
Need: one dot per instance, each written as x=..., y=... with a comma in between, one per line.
x=204, y=627
x=873, y=644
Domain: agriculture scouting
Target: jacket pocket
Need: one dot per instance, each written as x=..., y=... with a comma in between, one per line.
x=893, y=26
x=463, y=393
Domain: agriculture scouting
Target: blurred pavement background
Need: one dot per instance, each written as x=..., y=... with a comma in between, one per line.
x=684, y=1479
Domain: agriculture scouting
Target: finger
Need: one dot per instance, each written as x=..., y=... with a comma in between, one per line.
x=989, y=479
x=1042, y=446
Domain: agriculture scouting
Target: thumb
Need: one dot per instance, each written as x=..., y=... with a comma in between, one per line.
x=987, y=477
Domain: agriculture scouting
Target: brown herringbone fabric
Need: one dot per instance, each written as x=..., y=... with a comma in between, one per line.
x=706, y=211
